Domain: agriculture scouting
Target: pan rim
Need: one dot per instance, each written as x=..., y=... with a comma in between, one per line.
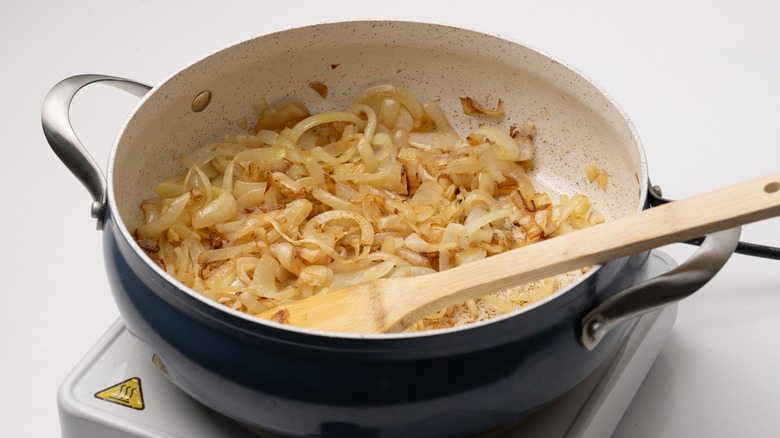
x=125, y=233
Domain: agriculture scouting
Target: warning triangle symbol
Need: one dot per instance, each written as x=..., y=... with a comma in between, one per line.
x=127, y=393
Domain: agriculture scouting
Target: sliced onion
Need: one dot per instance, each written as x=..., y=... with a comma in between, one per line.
x=264, y=277
x=320, y=119
x=266, y=154
x=168, y=216
x=241, y=187
x=221, y=278
x=435, y=113
x=418, y=244
x=252, y=303
x=316, y=223
x=321, y=155
x=388, y=112
x=506, y=147
x=436, y=141
x=171, y=188
x=316, y=276
x=469, y=255
x=220, y=209
x=230, y=252
x=478, y=221
x=252, y=198
x=395, y=92
x=286, y=185
x=300, y=205
x=429, y=193
x=340, y=281
x=333, y=201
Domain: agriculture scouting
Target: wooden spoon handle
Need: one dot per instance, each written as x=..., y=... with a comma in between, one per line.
x=395, y=304
x=676, y=221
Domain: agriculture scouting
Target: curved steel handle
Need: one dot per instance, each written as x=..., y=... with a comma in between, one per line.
x=63, y=140
x=660, y=291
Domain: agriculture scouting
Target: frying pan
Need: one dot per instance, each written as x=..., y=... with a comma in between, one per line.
x=449, y=382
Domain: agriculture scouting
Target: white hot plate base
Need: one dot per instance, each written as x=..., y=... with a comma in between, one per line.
x=116, y=391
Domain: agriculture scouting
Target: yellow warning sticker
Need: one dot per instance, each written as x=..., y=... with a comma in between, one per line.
x=127, y=393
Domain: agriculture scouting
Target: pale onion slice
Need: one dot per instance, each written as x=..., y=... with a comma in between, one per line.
x=168, y=216
x=450, y=239
x=242, y=187
x=286, y=185
x=404, y=122
x=364, y=143
x=435, y=113
x=266, y=136
x=205, y=181
x=378, y=93
x=266, y=154
x=293, y=215
x=315, y=224
x=230, y=252
x=416, y=243
x=340, y=281
x=436, y=141
x=252, y=303
x=388, y=112
x=334, y=202
x=316, y=276
x=222, y=277
x=428, y=193
x=323, y=156
x=220, y=209
x=321, y=119
x=252, y=198
x=316, y=172
x=469, y=255
x=171, y=188
x=477, y=220
x=506, y=146
x=264, y=277
x=285, y=255
x=245, y=267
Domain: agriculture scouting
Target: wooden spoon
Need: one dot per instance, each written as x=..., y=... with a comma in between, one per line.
x=392, y=305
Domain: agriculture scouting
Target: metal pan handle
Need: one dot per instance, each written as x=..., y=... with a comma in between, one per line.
x=55, y=118
x=660, y=291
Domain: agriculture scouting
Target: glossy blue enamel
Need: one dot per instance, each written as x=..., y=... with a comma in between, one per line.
x=298, y=384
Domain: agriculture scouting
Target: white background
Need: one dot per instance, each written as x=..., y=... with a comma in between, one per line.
x=700, y=80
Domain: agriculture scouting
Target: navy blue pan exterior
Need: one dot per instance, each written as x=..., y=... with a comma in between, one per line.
x=300, y=384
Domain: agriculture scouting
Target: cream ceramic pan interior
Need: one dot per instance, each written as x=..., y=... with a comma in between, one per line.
x=576, y=122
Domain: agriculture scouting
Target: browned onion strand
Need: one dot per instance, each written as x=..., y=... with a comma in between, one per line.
x=304, y=204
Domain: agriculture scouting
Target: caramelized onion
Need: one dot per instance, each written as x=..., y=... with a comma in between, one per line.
x=220, y=209
x=304, y=204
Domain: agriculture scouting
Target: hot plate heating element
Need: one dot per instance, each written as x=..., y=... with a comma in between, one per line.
x=116, y=391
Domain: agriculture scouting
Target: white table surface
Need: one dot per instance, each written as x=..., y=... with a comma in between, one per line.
x=700, y=80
